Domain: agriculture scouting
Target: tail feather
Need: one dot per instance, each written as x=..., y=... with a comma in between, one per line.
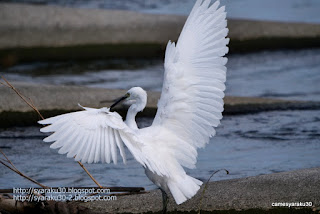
x=183, y=188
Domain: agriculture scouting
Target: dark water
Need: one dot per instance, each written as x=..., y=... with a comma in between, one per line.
x=286, y=74
x=246, y=145
x=284, y=10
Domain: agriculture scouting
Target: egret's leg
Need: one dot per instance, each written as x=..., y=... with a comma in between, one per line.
x=165, y=200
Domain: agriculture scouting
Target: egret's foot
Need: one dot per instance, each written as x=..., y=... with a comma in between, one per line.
x=165, y=201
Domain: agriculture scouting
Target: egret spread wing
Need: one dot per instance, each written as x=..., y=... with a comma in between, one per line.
x=91, y=135
x=191, y=101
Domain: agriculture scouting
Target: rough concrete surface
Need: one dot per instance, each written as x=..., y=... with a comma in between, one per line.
x=52, y=26
x=246, y=195
x=52, y=100
x=36, y=26
x=258, y=192
x=52, y=97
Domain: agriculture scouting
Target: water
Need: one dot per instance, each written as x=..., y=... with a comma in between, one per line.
x=285, y=74
x=273, y=10
x=245, y=145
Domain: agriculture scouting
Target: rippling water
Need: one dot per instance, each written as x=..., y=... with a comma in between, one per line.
x=288, y=74
x=245, y=145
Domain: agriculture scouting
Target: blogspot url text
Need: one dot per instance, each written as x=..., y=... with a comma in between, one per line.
x=62, y=194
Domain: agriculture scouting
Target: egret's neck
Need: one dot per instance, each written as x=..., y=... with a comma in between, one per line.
x=131, y=118
x=132, y=112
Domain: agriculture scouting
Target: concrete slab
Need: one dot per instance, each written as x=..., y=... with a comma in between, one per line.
x=52, y=100
x=24, y=25
x=271, y=193
x=35, y=32
x=258, y=192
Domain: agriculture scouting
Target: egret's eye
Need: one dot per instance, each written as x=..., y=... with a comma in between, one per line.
x=127, y=95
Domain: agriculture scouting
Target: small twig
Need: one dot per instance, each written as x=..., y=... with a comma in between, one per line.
x=22, y=97
x=128, y=193
x=94, y=180
x=4, y=84
x=13, y=168
x=7, y=160
x=4, y=160
x=205, y=187
x=7, y=195
x=31, y=104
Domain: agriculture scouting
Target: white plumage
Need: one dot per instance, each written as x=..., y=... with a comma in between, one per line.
x=190, y=106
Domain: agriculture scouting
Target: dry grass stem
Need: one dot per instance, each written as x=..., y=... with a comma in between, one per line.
x=94, y=180
x=31, y=104
x=206, y=186
x=13, y=168
x=24, y=98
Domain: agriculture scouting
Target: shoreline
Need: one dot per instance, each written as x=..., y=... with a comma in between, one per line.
x=58, y=33
x=52, y=100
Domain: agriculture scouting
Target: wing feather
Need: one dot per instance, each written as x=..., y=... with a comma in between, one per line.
x=83, y=148
x=120, y=146
x=102, y=143
x=67, y=143
x=191, y=102
x=91, y=135
x=88, y=148
x=97, y=156
x=112, y=146
x=107, y=146
x=75, y=146
x=57, y=138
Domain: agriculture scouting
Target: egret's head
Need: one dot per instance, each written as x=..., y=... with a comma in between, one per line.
x=135, y=95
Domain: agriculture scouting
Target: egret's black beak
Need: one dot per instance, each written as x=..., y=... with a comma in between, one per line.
x=119, y=100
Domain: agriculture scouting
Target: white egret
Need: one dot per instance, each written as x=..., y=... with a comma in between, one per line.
x=190, y=106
